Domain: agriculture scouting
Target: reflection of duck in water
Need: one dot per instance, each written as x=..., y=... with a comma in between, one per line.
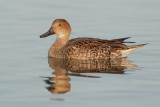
x=59, y=84
x=85, y=48
x=65, y=68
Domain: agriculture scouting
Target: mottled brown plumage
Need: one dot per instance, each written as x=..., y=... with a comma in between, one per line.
x=117, y=66
x=85, y=48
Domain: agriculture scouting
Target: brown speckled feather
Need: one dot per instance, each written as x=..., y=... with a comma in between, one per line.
x=93, y=48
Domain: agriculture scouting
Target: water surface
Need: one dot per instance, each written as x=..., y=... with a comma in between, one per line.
x=25, y=72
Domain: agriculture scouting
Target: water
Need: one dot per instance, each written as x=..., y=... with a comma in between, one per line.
x=24, y=70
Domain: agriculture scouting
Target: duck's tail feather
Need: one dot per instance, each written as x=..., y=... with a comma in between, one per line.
x=131, y=49
x=136, y=46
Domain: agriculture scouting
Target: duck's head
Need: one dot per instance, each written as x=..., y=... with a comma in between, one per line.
x=60, y=27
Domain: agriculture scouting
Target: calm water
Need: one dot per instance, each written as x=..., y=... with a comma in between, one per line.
x=28, y=80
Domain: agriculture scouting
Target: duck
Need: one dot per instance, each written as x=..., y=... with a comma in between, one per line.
x=84, y=47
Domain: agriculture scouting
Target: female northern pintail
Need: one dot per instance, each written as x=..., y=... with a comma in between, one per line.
x=85, y=48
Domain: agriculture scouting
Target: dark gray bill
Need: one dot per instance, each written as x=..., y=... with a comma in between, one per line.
x=48, y=33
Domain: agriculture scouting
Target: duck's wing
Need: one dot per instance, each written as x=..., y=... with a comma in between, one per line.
x=120, y=40
x=81, y=48
x=91, y=48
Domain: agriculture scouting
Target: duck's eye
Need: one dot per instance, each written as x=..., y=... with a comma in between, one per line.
x=59, y=25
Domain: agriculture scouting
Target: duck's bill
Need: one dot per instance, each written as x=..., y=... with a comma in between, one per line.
x=48, y=33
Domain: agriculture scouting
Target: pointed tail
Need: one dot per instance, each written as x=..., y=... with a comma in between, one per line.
x=136, y=46
x=131, y=49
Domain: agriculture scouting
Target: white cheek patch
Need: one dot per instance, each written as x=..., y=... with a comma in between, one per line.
x=61, y=35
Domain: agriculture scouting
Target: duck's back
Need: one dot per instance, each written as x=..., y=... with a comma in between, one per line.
x=93, y=48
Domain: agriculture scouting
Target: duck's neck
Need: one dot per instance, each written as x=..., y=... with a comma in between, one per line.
x=57, y=46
